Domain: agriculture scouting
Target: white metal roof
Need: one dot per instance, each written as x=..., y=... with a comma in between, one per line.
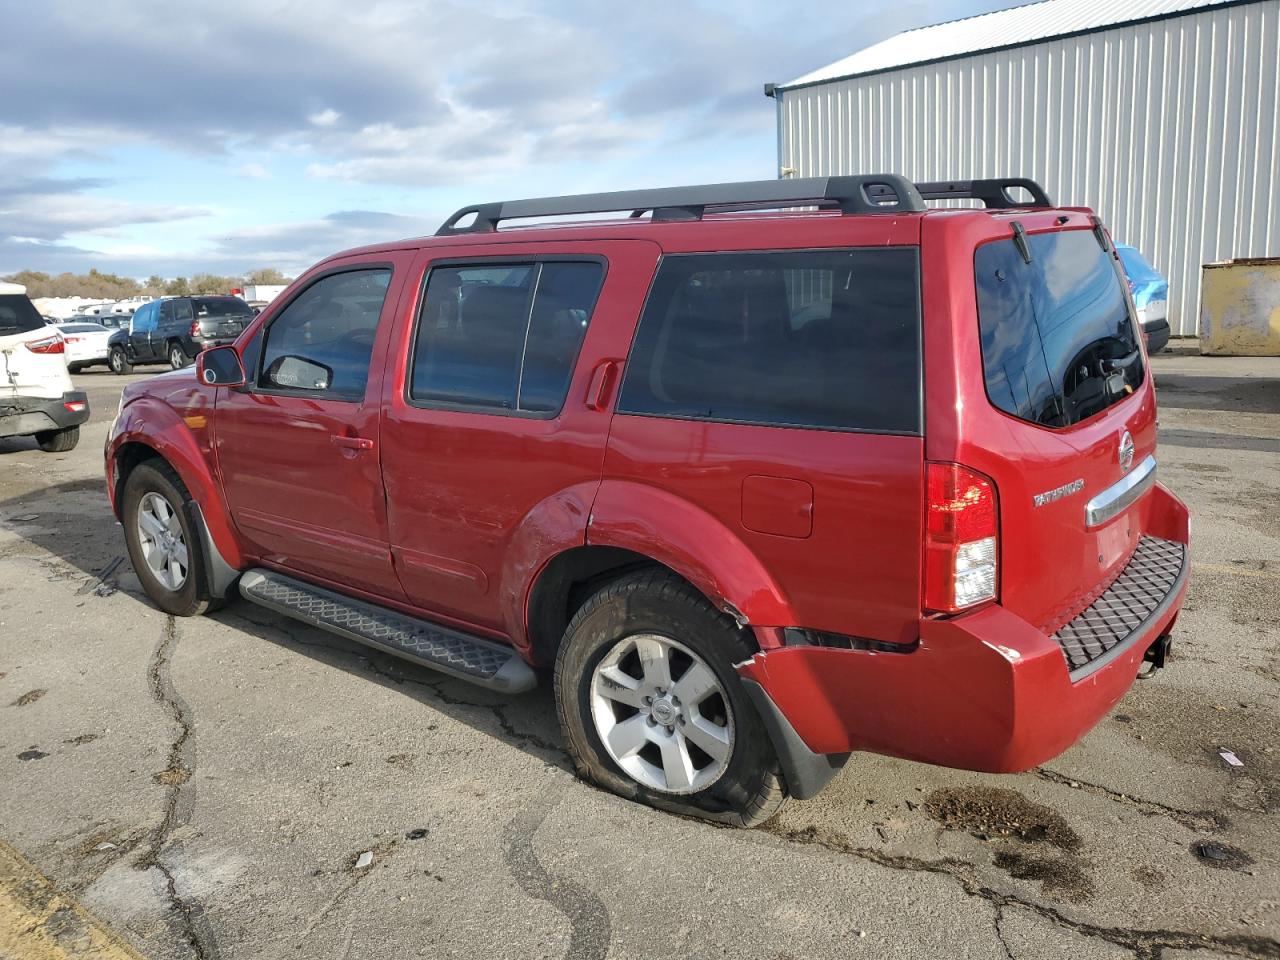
x=1018, y=25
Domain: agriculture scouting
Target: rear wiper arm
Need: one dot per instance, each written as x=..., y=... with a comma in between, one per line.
x=1118, y=363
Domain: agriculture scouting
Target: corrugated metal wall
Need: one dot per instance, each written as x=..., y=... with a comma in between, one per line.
x=1168, y=129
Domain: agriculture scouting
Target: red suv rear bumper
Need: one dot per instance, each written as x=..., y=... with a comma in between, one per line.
x=983, y=691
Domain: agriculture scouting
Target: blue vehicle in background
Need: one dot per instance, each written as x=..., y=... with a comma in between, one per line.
x=1150, y=295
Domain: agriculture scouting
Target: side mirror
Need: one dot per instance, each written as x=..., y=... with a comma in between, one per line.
x=220, y=367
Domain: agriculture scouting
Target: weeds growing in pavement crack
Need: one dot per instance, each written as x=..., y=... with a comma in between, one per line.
x=178, y=799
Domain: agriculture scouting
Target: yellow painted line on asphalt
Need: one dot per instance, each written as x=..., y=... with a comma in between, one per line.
x=1234, y=571
x=40, y=922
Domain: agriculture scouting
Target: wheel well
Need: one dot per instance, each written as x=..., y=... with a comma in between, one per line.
x=129, y=456
x=566, y=584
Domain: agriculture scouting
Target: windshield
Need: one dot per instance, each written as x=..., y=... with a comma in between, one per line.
x=1058, y=342
x=220, y=307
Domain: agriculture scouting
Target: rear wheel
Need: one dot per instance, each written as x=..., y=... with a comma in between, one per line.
x=177, y=356
x=58, y=441
x=118, y=362
x=75, y=367
x=163, y=546
x=652, y=709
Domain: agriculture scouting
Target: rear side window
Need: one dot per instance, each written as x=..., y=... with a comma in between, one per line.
x=503, y=337
x=817, y=338
x=1058, y=343
x=18, y=315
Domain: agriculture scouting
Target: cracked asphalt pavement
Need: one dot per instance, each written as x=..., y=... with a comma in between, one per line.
x=207, y=787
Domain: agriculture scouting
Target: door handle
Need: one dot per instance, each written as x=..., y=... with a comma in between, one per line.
x=602, y=380
x=351, y=443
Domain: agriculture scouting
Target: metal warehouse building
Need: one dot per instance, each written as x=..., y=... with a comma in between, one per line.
x=1162, y=115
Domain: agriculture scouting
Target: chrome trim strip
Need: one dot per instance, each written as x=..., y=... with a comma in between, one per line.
x=1119, y=495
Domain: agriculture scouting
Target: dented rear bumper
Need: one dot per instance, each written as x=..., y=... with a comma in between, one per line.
x=982, y=691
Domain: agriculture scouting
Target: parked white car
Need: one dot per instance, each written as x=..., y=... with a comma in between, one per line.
x=36, y=394
x=86, y=344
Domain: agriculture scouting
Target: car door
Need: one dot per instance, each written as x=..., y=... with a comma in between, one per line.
x=141, y=327
x=489, y=429
x=298, y=446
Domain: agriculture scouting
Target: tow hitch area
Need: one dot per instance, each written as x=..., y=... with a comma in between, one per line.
x=1155, y=656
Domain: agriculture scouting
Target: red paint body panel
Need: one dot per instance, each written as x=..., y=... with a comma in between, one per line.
x=477, y=489
x=299, y=499
x=983, y=691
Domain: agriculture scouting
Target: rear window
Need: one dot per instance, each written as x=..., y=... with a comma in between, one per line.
x=1058, y=342
x=82, y=328
x=18, y=315
x=220, y=307
x=828, y=339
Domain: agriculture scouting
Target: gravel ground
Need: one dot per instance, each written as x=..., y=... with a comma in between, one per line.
x=206, y=787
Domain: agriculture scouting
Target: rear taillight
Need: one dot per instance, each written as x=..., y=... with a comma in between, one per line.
x=195, y=328
x=75, y=406
x=47, y=345
x=72, y=339
x=961, y=539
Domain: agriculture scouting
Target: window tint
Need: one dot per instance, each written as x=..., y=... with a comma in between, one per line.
x=322, y=341
x=182, y=310
x=221, y=307
x=503, y=337
x=18, y=315
x=1058, y=344
x=827, y=338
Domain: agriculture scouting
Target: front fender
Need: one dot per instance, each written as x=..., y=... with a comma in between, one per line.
x=185, y=441
x=694, y=544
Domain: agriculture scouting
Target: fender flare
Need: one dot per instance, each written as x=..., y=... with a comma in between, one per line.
x=693, y=543
x=158, y=426
x=554, y=525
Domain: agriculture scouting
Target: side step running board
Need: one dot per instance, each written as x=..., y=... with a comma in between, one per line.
x=460, y=655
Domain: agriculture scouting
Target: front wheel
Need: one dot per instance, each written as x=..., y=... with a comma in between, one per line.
x=118, y=362
x=652, y=709
x=177, y=356
x=163, y=546
x=58, y=441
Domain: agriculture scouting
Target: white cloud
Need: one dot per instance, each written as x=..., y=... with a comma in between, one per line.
x=324, y=118
x=254, y=171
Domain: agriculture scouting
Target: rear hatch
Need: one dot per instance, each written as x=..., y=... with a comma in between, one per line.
x=31, y=353
x=221, y=318
x=1069, y=418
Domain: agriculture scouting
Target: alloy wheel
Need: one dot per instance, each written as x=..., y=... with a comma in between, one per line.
x=164, y=547
x=661, y=714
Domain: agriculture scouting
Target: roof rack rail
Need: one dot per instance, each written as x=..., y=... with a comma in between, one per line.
x=993, y=193
x=878, y=193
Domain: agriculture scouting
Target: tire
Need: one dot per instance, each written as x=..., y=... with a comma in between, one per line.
x=189, y=596
x=75, y=367
x=177, y=356
x=58, y=441
x=118, y=362
x=745, y=787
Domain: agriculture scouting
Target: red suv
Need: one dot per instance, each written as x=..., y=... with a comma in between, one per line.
x=764, y=474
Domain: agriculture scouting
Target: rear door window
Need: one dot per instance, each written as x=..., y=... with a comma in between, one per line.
x=18, y=315
x=1058, y=341
x=827, y=339
x=503, y=337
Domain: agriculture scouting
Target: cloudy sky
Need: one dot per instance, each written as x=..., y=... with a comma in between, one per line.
x=150, y=136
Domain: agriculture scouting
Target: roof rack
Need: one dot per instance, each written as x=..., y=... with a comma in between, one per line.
x=993, y=193
x=869, y=193
x=878, y=193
